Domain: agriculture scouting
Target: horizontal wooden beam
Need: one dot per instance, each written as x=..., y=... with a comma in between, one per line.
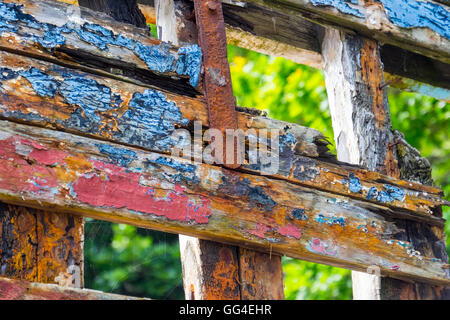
x=415, y=25
x=24, y=290
x=48, y=95
x=287, y=34
x=59, y=171
x=62, y=33
x=142, y=59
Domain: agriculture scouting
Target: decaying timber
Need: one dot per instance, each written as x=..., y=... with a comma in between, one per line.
x=42, y=246
x=51, y=169
x=276, y=37
x=212, y=269
x=117, y=96
x=43, y=94
x=58, y=32
x=282, y=33
x=363, y=134
x=24, y=290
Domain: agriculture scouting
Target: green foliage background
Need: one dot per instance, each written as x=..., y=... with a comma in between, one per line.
x=127, y=260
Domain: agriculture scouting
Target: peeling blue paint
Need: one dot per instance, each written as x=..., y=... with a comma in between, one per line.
x=287, y=142
x=354, y=185
x=330, y=220
x=43, y=84
x=388, y=194
x=158, y=58
x=413, y=13
x=341, y=5
x=118, y=155
x=179, y=166
x=52, y=37
x=185, y=172
x=150, y=120
x=8, y=74
x=299, y=214
x=91, y=96
x=391, y=193
x=233, y=185
x=94, y=34
x=189, y=62
x=372, y=194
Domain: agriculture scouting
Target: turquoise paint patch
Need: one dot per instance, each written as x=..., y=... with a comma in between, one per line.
x=330, y=220
x=354, y=185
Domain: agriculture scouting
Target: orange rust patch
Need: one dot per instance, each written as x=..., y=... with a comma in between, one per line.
x=372, y=72
x=391, y=163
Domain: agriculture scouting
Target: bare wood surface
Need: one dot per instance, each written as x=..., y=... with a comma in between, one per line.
x=24, y=290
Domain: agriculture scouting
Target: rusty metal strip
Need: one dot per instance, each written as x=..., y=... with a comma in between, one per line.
x=217, y=80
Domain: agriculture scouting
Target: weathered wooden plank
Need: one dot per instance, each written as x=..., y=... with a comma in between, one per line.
x=418, y=26
x=64, y=172
x=61, y=33
x=122, y=61
x=286, y=34
x=42, y=94
x=210, y=270
x=261, y=275
x=42, y=246
x=24, y=290
x=126, y=11
x=363, y=134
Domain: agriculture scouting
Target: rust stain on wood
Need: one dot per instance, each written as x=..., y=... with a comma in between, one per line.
x=224, y=278
x=373, y=76
x=41, y=246
x=261, y=275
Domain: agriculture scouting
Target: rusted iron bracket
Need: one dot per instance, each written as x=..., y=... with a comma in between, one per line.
x=217, y=80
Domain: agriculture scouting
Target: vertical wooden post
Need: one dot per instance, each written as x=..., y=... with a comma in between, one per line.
x=362, y=129
x=212, y=270
x=41, y=246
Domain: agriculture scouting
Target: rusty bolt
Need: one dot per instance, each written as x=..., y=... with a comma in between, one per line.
x=212, y=5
